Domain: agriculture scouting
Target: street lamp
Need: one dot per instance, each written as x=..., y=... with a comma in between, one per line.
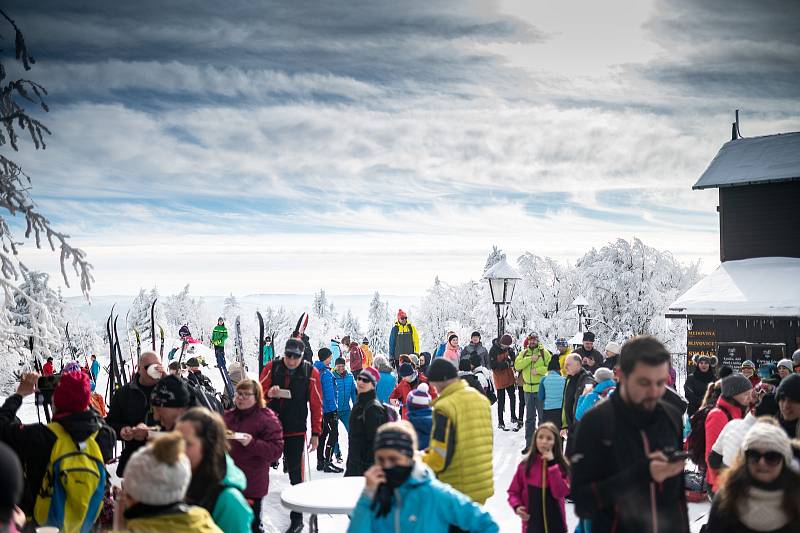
x=581, y=303
x=502, y=279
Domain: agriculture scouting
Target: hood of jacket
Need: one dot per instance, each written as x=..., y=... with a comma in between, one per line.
x=79, y=425
x=604, y=386
x=234, y=477
x=319, y=365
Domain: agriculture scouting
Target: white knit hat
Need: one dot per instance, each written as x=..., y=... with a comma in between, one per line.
x=786, y=363
x=419, y=397
x=150, y=481
x=613, y=347
x=765, y=437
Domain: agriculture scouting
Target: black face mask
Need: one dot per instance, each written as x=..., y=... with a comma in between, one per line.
x=384, y=496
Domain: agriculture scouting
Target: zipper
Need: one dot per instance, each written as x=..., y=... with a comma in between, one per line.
x=397, y=511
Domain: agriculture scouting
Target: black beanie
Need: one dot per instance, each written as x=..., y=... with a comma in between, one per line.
x=399, y=441
x=789, y=388
x=554, y=364
x=442, y=370
x=171, y=391
x=11, y=486
x=324, y=353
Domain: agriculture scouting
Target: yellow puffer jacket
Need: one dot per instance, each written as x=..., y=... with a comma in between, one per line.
x=562, y=358
x=185, y=519
x=367, y=355
x=460, y=449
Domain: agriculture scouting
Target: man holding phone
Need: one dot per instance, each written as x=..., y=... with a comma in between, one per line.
x=293, y=390
x=627, y=467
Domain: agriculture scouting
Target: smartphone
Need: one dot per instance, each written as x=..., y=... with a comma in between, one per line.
x=677, y=455
x=284, y=393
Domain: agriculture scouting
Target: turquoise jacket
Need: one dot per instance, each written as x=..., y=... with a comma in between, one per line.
x=232, y=513
x=412, y=511
x=587, y=401
x=385, y=386
x=551, y=390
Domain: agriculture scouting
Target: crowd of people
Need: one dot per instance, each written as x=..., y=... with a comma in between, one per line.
x=606, y=431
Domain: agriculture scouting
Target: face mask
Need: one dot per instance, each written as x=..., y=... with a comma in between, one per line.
x=397, y=475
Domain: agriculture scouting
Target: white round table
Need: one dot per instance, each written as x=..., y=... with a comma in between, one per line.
x=337, y=495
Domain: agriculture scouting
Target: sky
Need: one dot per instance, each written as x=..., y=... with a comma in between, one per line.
x=283, y=147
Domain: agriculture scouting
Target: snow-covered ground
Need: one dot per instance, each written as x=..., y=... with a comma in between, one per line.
x=507, y=448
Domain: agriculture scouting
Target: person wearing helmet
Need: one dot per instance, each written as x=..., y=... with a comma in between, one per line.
x=748, y=370
x=564, y=350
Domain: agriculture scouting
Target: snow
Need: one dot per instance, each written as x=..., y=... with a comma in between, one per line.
x=507, y=448
x=755, y=160
x=501, y=270
x=764, y=286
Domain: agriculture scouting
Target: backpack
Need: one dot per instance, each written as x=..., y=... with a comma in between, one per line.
x=205, y=398
x=696, y=441
x=71, y=496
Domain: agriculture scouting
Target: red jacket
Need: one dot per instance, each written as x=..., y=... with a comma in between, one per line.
x=47, y=369
x=717, y=418
x=404, y=388
x=314, y=398
x=266, y=446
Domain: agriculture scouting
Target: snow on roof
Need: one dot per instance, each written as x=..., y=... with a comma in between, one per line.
x=754, y=160
x=501, y=270
x=763, y=286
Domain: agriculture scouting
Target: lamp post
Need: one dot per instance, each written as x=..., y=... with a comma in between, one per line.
x=502, y=278
x=581, y=303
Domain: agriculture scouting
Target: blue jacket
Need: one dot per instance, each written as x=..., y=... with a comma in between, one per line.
x=551, y=390
x=439, y=350
x=587, y=401
x=95, y=370
x=346, y=393
x=422, y=420
x=231, y=511
x=385, y=386
x=336, y=350
x=328, y=387
x=413, y=513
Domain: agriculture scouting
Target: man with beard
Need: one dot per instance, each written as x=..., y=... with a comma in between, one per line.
x=625, y=477
x=697, y=382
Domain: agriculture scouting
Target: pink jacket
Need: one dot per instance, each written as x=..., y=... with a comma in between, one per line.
x=557, y=482
x=452, y=354
x=715, y=421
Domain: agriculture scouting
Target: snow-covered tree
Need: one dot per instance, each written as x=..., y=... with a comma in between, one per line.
x=379, y=325
x=350, y=325
x=320, y=307
x=39, y=311
x=495, y=256
x=139, y=318
x=231, y=308
x=182, y=309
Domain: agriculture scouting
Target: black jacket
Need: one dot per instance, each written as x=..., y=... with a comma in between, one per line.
x=593, y=354
x=130, y=406
x=495, y=351
x=573, y=389
x=611, y=481
x=365, y=418
x=695, y=388
x=33, y=443
x=610, y=362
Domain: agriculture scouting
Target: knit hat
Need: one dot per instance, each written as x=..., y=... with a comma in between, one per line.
x=506, y=340
x=401, y=314
x=588, y=336
x=192, y=362
x=72, y=393
x=171, y=391
x=748, y=363
x=237, y=372
x=395, y=440
x=442, y=370
x=554, y=364
x=365, y=341
x=613, y=347
x=789, y=388
x=371, y=374
x=324, y=353
x=159, y=473
x=11, y=487
x=405, y=370
x=414, y=359
x=710, y=359
x=340, y=361
x=561, y=342
x=735, y=384
x=796, y=357
x=603, y=374
x=419, y=398
x=786, y=363
x=294, y=347
x=475, y=334
x=765, y=437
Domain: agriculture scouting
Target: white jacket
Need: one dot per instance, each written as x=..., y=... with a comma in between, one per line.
x=729, y=442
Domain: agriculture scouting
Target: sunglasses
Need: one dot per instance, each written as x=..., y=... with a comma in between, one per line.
x=771, y=458
x=364, y=380
x=293, y=355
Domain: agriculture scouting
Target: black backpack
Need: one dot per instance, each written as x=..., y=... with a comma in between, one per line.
x=205, y=398
x=696, y=441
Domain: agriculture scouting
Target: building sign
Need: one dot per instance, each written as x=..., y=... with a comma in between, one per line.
x=732, y=354
x=700, y=342
x=767, y=353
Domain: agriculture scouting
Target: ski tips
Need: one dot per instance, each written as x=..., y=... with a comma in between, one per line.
x=302, y=324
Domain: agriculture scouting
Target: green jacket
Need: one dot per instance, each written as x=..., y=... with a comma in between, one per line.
x=532, y=364
x=232, y=513
x=219, y=335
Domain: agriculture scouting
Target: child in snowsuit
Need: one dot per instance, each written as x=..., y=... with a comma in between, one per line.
x=420, y=414
x=541, y=483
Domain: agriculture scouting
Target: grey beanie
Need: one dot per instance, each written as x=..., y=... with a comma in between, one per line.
x=603, y=374
x=735, y=384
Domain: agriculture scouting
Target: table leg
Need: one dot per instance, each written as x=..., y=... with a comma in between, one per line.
x=312, y=524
